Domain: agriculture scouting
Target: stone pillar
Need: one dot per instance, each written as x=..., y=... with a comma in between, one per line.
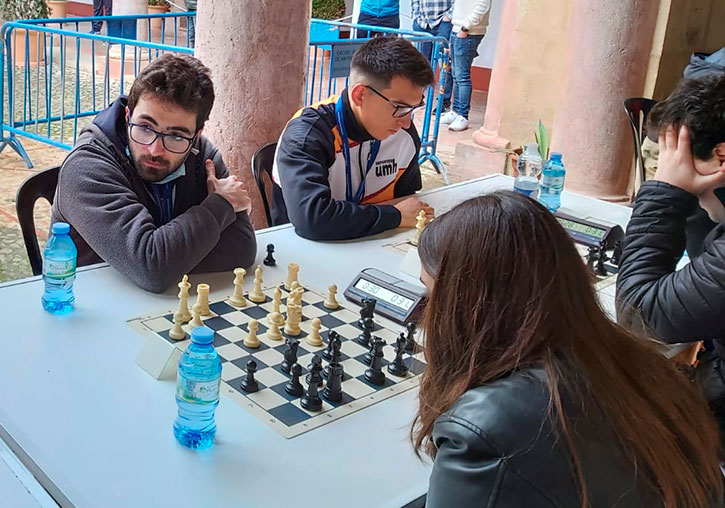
x=609, y=47
x=257, y=55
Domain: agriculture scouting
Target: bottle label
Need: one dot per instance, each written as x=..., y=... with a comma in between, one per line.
x=197, y=392
x=556, y=182
x=59, y=269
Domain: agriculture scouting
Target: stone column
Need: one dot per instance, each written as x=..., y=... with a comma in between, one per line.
x=609, y=47
x=256, y=51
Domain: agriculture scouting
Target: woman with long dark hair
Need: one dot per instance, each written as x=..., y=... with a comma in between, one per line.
x=532, y=396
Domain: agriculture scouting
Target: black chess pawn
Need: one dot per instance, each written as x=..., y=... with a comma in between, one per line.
x=290, y=355
x=333, y=390
x=269, y=260
x=410, y=345
x=364, y=338
x=249, y=384
x=375, y=374
x=331, y=337
x=335, y=356
x=315, y=368
x=398, y=367
x=293, y=386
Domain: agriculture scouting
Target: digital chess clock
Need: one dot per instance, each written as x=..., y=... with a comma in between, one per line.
x=396, y=299
x=590, y=233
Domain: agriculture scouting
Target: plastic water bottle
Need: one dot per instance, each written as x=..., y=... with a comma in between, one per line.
x=552, y=182
x=197, y=391
x=529, y=168
x=59, y=270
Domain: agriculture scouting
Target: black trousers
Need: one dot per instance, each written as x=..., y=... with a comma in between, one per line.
x=99, y=6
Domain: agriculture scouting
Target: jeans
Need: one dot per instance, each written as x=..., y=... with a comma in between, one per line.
x=442, y=29
x=191, y=29
x=369, y=19
x=98, y=7
x=463, y=51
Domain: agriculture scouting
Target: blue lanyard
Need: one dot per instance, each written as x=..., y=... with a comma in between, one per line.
x=163, y=194
x=360, y=194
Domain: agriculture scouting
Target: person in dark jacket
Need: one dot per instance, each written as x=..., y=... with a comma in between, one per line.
x=685, y=305
x=144, y=191
x=531, y=395
x=382, y=13
x=343, y=165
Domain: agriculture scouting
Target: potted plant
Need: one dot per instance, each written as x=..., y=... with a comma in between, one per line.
x=157, y=7
x=17, y=10
x=542, y=139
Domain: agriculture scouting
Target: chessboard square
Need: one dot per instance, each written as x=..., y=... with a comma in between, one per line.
x=231, y=371
x=353, y=367
x=345, y=315
x=325, y=406
x=255, y=312
x=357, y=389
x=353, y=349
x=305, y=359
x=220, y=341
x=234, y=334
x=241, y=362
x=269, y=356
x=346, y=399
x=311, y=298
x=280, y=389
x=221, y=308
x=231, y=352
x=329, y=321
x=266, y=339
x=347, y=331
x=388, y=336
x=159, y=324
x=312, y=312
x=269, y=307
x=289, y=414
x=270, y=377
x=389, y=354
x=237, y=318
x=266, y=398
x=415, y=366
x=313, y=349
x=217, y=323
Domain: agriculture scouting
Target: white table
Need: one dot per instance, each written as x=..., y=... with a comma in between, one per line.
x=96, y=429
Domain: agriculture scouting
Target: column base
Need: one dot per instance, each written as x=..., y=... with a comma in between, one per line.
x=486, y=154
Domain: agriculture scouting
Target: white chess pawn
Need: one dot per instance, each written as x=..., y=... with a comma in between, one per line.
x=276, y=302
x=184, y=287
x=251, y=339
x=202, y=299
x=275, y=320
x=256, y=295
x=331, y=301
x=419, y=226
x=196, y=320
x=177, y=333
x=237, y=299
x=293, y=270
x=314, y=339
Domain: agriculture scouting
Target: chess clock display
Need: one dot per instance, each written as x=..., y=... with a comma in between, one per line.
x=396, y=299
x=590, y=233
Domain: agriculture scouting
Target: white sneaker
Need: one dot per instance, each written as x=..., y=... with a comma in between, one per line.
x=448, y=117
x=459, y=124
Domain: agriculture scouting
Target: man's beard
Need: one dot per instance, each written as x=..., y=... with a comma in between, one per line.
x=154, y=174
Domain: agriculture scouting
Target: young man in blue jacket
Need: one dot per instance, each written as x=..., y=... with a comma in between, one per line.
x=343, y=165
x=383, y=13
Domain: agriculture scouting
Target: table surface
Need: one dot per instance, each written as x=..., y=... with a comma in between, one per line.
x=95, y=429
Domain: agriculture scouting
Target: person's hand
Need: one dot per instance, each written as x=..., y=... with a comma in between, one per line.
x=446, y=19
x=230, y=188
x=409, y=209
x=461, y=34
x=677, y=167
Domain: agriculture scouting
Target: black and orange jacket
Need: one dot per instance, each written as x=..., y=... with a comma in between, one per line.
x=310, y=169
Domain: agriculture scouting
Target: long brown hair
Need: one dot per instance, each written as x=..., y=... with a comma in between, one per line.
x=511, y=292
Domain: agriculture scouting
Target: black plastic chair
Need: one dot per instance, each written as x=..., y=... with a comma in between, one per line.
x=39, y=185
x=637, y=109
x=262, y=162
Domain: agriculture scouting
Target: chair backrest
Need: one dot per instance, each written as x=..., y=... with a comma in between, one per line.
x=637, y=109
x=39, y=185
x=262, y=162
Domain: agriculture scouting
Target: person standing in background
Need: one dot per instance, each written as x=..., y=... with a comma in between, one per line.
x=383, y=13
x=99, y=6
x=434, y=17
x=470, y=21
x=191, y=22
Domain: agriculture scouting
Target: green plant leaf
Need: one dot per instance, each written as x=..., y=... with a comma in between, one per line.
x=542, y=138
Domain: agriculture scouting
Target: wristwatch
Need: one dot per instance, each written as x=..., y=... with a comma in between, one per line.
x=464, y=29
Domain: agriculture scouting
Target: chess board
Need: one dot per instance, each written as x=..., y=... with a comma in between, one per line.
x=271, y=404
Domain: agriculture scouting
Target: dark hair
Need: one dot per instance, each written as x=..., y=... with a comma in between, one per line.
x=698, y=104
x=382, y=58
x=179, y=79
x=511, y=292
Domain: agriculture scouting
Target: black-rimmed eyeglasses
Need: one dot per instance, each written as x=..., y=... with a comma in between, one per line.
x=145, y=135
x=400, y=110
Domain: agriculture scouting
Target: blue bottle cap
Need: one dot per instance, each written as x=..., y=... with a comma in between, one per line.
x=61, y=228
x=556, y=155
x=202, y=335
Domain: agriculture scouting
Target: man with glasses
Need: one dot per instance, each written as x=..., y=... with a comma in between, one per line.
x=144, y=191
x=346, y=166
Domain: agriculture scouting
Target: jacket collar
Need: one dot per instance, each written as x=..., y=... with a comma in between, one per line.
x=355, y=131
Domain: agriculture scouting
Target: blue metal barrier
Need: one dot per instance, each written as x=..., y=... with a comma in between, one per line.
x=78, y=74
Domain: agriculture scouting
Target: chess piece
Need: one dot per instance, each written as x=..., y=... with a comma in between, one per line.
x=202, y=299
x=277, y=300
x=410, y=345
x=275, y=320
x=366, y=311
x=177, y=332
x=184, y=287
x=311, y=401
x=335, y=356
x=294, y=316
x=290, y=355
x=331, y=301
x=251, y=340
x=296, y=295
x=333, y=389
x=364, y=338
x=419, y=227
x=314, y=339
x=368, y=358
x=292, y=274
x=256, y=294
x=196, y=319
x=375, y=374
x=332, y=336
x=294, y=387
x=315, y=368
x=269, y=260
x=249, y=384
x=295, y=284
x=398, y=367
x=237, y=299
